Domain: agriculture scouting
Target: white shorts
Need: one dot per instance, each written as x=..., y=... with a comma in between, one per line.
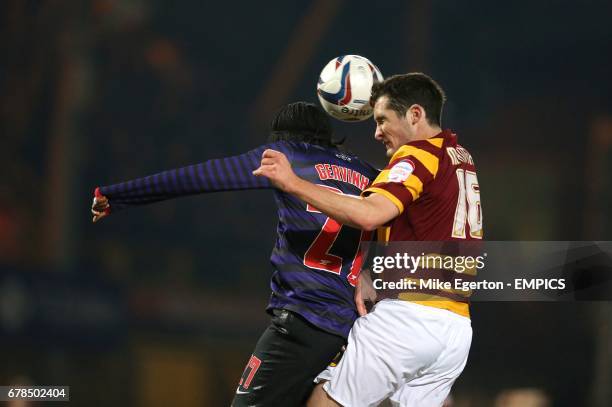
x=408, y=353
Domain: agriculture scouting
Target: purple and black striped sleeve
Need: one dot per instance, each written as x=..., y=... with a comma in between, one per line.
x=223, y=174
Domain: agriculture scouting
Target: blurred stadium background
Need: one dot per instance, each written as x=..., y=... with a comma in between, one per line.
x=161, y=306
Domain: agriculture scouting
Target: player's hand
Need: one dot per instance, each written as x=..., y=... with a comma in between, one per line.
x=364, y=292
x=100, y=207
x=276, y=167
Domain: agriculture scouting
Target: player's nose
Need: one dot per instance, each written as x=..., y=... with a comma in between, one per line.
x=378, y=134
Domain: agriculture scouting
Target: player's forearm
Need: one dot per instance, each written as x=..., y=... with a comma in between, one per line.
x=351, y=211
x=226, y=174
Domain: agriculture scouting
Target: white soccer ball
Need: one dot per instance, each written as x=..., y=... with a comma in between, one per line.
x=345, y=86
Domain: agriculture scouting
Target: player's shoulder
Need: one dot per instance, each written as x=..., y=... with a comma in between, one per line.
x=433, y=146
x=282, y=146
x=335, y=156
x=431, y=150
x=331, y=152
x=358, y=164
x=421, y=153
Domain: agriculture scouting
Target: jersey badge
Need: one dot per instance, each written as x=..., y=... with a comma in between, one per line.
x=401, y=171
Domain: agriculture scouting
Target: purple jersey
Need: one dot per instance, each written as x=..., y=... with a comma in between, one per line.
x=316, y=260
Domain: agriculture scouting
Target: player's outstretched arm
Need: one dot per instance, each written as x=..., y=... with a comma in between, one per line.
x=224, y=174
x=362, y=213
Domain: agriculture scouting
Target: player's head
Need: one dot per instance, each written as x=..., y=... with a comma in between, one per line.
x=406, y=107
x=302, y=121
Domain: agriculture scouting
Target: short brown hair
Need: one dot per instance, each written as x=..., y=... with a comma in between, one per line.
x=412, y=88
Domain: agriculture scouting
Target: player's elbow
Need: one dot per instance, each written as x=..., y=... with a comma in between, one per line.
x=372, y=215
x=368, y=227
x=367, y=222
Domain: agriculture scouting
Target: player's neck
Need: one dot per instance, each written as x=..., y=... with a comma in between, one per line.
x=427, y=132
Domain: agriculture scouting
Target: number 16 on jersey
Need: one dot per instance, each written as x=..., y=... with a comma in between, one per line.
x=468, y=206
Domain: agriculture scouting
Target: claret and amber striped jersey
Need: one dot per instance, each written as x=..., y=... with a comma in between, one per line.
x=315, y=260
x=434, y=185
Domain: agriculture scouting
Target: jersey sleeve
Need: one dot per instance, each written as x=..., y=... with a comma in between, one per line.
x=402, y=181
x=216, y=175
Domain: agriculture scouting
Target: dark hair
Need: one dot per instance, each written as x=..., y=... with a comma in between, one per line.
x=302, y=121
x=412, y=88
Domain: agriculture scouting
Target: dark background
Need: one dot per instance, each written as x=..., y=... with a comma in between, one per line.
x=162, y=305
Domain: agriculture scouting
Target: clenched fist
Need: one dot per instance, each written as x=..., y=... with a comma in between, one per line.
x=275, y=166
x=100, y=206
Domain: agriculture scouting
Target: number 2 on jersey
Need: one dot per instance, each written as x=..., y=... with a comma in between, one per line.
x=318, y=257
x=468, y=206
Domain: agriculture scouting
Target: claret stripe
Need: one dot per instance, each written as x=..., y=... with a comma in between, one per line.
x=429, y=145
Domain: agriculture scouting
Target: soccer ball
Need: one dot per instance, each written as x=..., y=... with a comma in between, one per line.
x=345, y=86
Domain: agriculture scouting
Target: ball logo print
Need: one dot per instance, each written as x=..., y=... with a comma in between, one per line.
x=343, y=95
x=345, y=86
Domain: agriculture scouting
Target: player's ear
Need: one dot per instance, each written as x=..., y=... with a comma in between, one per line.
x=415, y=113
